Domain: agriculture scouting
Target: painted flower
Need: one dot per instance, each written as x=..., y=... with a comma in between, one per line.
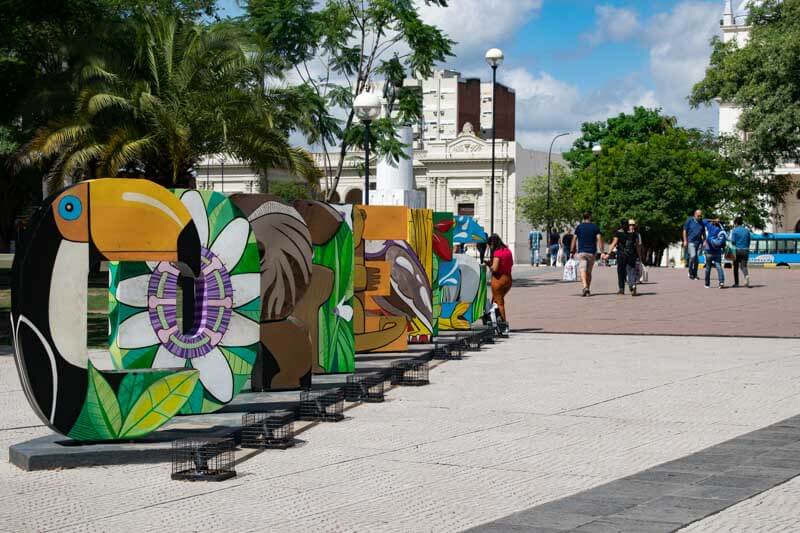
x=441, y=238
x=223, y=341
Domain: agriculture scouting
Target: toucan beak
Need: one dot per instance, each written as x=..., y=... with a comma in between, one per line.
x=138, y=220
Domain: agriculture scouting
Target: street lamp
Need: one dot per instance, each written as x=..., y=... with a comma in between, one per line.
x=596, y=149
x=494, y=57
x=367, y=106
x=549, y=155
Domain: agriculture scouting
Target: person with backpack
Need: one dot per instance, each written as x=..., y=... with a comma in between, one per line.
x=627, y=243
x=740, y=239
x=714, y=246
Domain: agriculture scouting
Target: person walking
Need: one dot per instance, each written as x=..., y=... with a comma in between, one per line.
x=552, y=244
x=534, y=243
x=566, y=245
x=620, y=235
x=713, y=248
x=586, y=243
x=694, y=232
x=500, y=263
x=740, y=239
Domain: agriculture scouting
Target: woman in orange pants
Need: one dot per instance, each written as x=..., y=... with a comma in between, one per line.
x=500, y=264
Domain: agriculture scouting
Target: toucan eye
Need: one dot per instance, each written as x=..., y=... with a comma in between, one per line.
x=70, y=207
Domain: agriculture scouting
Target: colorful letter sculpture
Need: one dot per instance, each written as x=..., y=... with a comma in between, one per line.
x=336, y=352
x=327, y=308
x=463, y=280
x=223, y=340
x=442, y=241
x=393, y=285
x=122, y=220
x=284, y=242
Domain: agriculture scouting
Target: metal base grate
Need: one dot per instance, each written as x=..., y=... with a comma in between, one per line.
x=273, y=430
x=203, y=459
x=410, y=372
x=365, y=388
x=322, y=405
x=447, y=351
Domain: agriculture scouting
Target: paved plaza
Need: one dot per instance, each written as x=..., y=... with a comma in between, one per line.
x=540, y=419
x=669, y=304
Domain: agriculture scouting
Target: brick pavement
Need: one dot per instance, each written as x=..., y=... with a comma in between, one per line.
x=528, y=421
x=670, y=304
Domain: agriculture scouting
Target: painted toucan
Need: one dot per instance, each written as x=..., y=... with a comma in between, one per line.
x=119, y=219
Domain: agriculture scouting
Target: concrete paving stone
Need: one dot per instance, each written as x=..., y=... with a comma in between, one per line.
x=667, y=476
x=549, y=519
x=642, y=490
x=626, y=525
x=677, y=509
x=713, y=492
x=498, y=527
x=754, y=482
x=584, y=504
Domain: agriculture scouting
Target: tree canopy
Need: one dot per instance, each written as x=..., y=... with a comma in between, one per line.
x=649, y=169
x=533, y=202
x=762, y=79
x=340, y=48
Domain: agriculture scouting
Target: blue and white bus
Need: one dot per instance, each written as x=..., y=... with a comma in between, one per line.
x=775, y=249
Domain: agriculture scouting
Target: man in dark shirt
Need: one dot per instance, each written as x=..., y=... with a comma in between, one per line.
x=694, y=233
x=552, y=244
x=586, y=242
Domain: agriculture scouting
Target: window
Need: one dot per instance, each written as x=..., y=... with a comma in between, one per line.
x=466, y=209
x=797, y=227
x=754, y=246
x=353, y=197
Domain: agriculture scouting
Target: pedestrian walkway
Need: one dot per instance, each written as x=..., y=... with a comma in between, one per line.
x=531, y=420
x=670, y=304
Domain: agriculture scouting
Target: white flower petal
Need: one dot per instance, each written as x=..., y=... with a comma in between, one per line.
x=133, y=291
x=215, y=374
x=345, y=311
x=229, y=244
x=194, y=203
x=246, y=287
x=166, y=359
x=136, y=332
x=152, y=265
x=241, y=332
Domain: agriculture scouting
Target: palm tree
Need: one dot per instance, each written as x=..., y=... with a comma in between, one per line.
x=190, y=90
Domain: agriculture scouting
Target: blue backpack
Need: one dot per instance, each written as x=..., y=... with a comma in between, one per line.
x=717, y=242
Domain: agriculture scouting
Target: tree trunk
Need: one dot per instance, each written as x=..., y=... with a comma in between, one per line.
x=342, y=154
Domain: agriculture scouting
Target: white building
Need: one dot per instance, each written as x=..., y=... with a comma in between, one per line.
x=735, y=29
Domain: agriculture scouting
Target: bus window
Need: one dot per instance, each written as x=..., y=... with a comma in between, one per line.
x=780, y=246
x=754, y=246
x=791, y=246
x=769, y=246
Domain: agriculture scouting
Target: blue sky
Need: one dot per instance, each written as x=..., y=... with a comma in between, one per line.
x=576, y=60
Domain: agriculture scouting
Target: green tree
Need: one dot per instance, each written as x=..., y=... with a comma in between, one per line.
x=533, y=203
x=191, y=90
x=288, y=191
x=660, y=182
x=635, y=127
x=762, y=79
x=339, y=50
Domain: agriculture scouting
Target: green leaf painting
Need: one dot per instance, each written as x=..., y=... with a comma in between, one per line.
x=335, y=318
x=158, y=403
x=100, y=417
x=144, y=402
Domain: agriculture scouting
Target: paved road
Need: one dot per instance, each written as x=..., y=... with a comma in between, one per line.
x=531, y=420
x=670, y=304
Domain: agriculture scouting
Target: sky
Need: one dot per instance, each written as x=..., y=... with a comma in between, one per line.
x=573, y=61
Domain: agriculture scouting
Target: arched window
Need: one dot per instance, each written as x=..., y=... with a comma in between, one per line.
x=353, y=196
x=335, y=198
x=798, y=194
x=797, y=227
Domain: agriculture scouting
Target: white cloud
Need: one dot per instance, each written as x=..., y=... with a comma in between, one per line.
x=547, y=106
x=679, y=54
x=613, y=25
x=479, y=24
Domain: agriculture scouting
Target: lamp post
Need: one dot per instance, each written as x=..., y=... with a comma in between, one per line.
x=367, y=106
x=596, y=149
x=549, y=156
x=494, y=57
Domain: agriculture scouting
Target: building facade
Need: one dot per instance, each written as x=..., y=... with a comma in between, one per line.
x=734, y=29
